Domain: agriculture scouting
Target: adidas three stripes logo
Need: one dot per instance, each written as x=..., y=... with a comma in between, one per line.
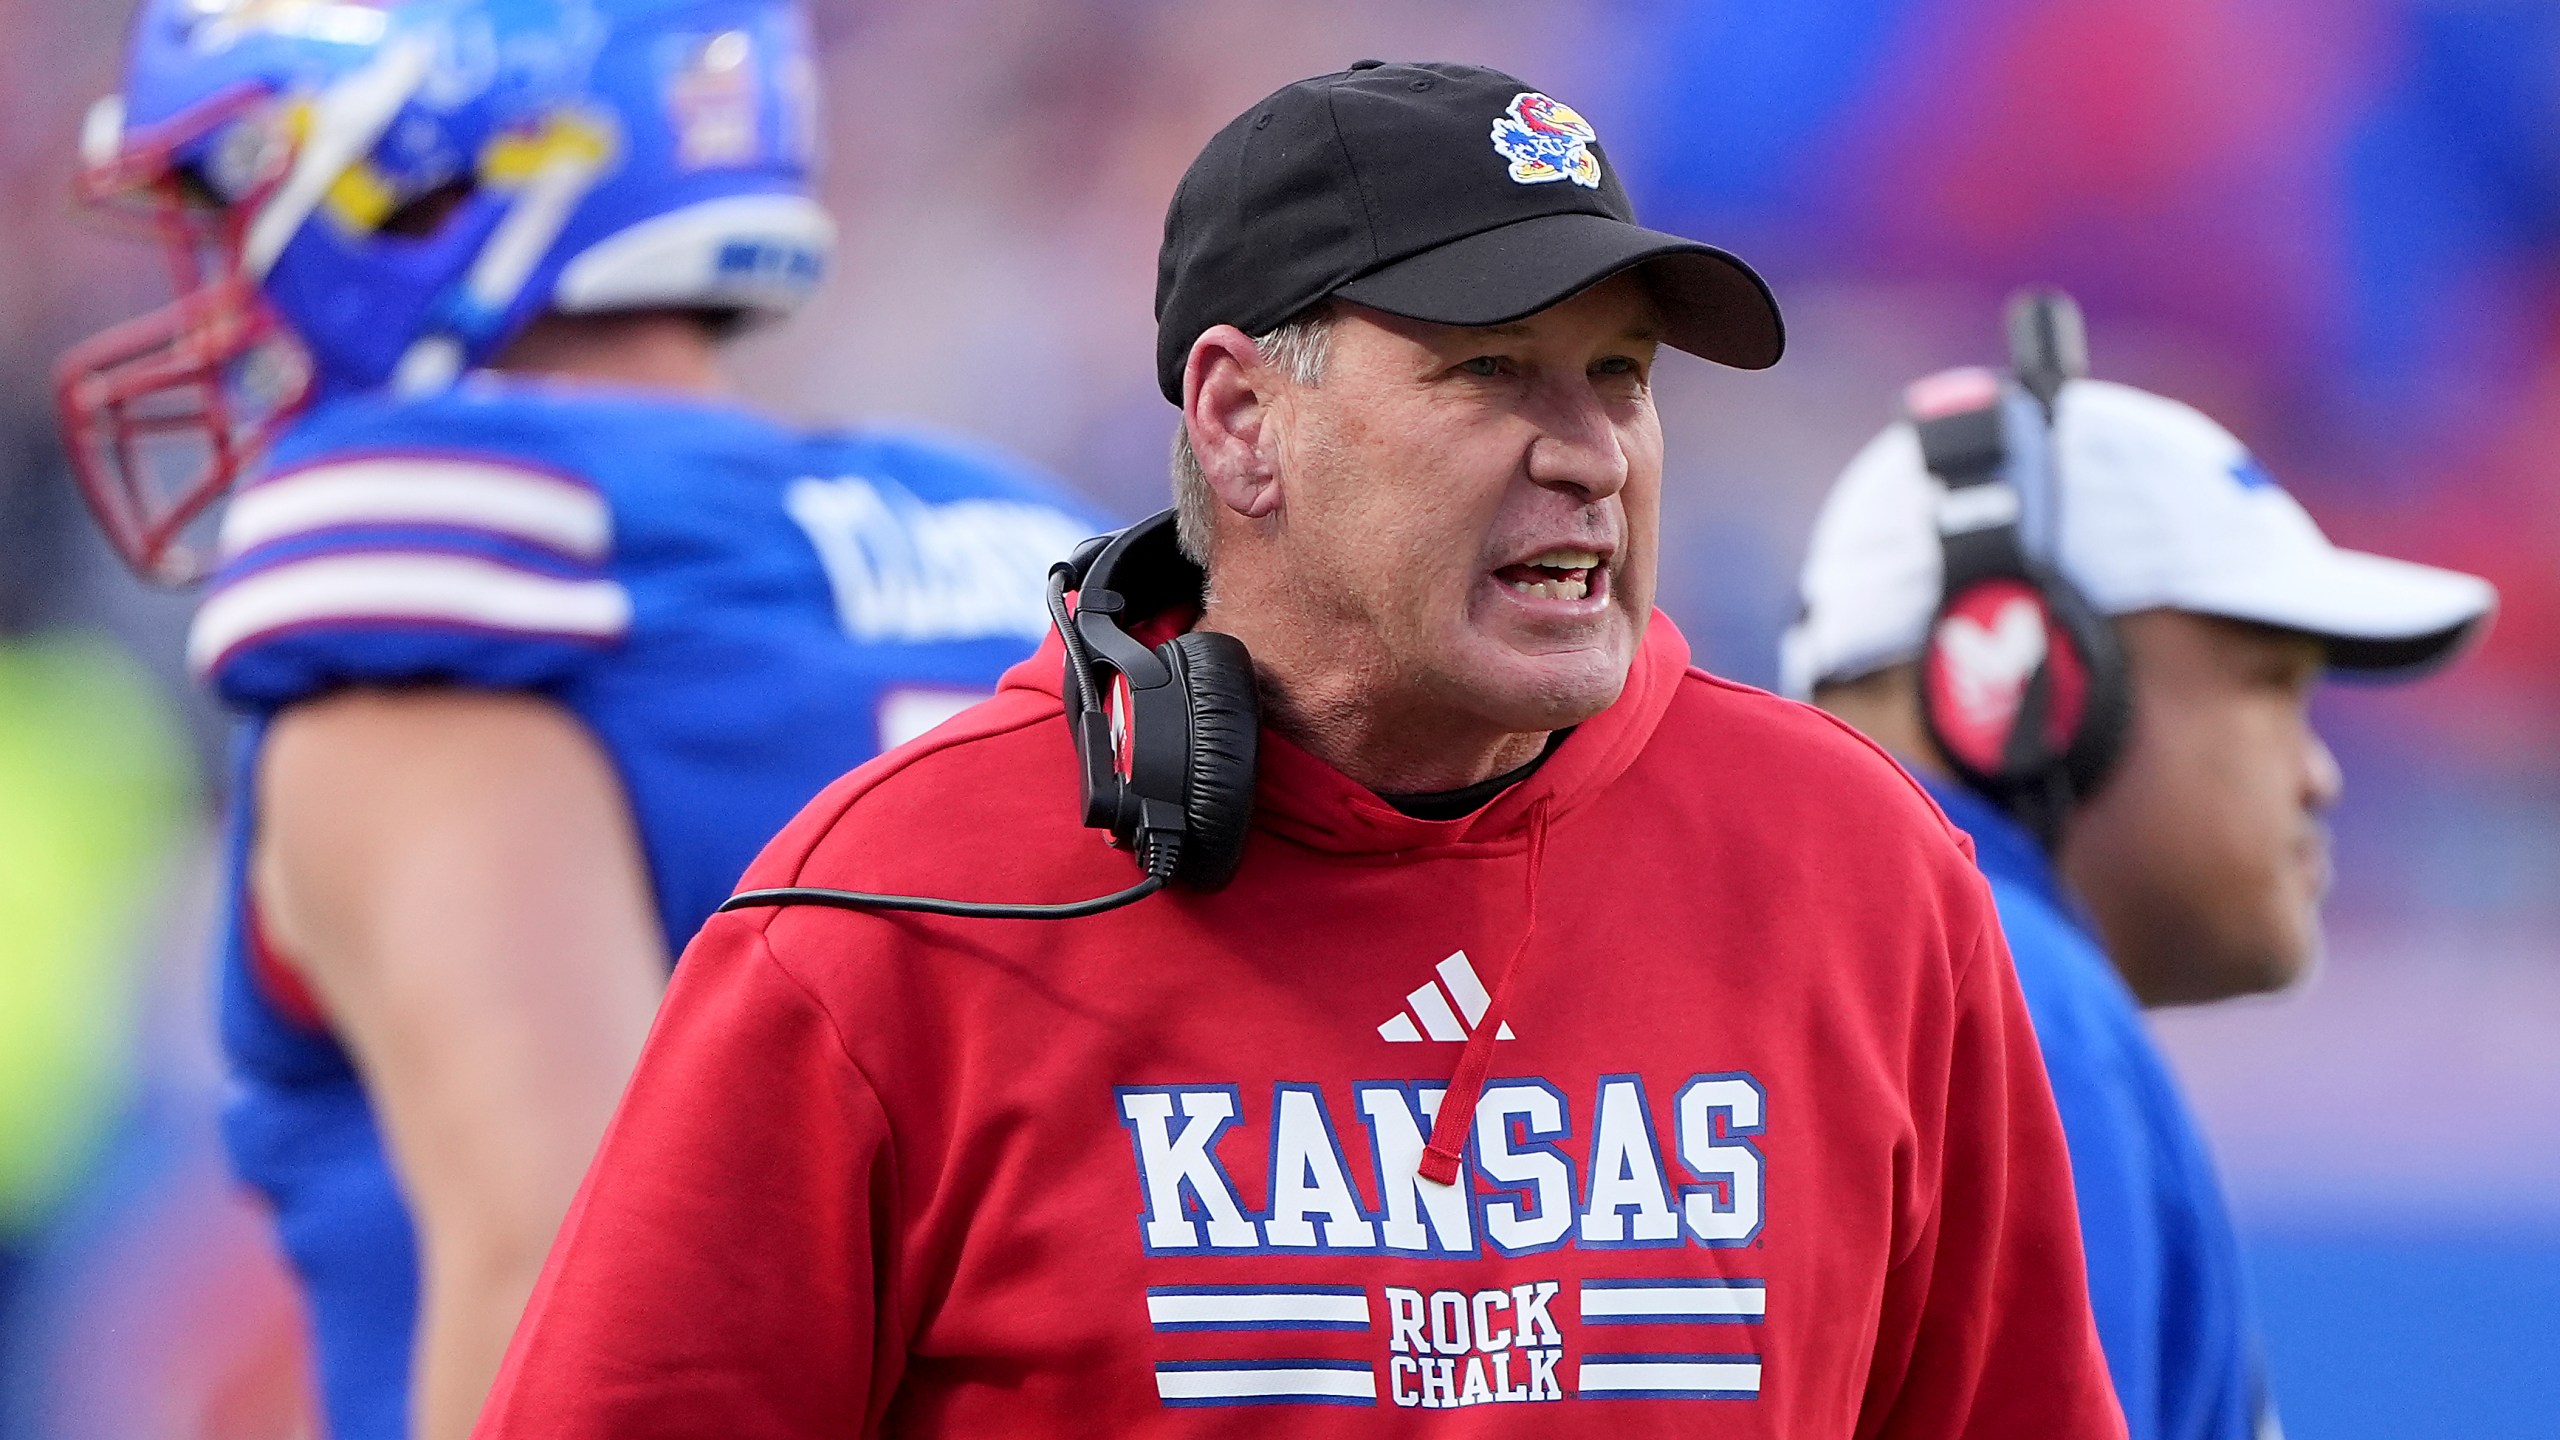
x=1429, y=1014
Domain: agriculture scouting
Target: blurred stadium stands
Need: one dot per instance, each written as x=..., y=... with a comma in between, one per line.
x=2334, y=224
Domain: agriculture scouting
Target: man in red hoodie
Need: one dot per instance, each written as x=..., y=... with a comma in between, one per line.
x=1584, y=1046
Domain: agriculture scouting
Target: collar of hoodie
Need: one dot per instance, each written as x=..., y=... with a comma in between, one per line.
x=1302, y=799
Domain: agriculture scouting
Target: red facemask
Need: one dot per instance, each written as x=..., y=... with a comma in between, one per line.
x=162, y=412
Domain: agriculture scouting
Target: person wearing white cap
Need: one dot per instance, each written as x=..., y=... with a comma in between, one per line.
x=2090, y=622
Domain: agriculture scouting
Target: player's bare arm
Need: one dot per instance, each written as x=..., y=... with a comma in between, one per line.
x=539, y=630
x=456, y=876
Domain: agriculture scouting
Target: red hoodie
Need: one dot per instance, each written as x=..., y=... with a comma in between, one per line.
x=1763, y=1146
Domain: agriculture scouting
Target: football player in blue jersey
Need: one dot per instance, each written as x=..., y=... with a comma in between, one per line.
x=538, y=634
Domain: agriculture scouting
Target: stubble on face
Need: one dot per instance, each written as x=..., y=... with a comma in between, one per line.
x=1391, y=601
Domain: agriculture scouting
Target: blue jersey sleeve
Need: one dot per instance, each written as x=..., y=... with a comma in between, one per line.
x=435, y=542
x=2164, y=1270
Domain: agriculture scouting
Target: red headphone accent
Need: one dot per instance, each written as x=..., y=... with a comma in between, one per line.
x=2022, y=683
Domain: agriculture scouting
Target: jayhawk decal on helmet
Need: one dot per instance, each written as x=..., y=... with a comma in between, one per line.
x=1546, y=140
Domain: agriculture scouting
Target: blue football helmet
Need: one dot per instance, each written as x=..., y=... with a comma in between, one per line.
x=360, y=194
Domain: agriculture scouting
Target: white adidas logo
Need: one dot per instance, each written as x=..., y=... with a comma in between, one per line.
x=1430, y=1005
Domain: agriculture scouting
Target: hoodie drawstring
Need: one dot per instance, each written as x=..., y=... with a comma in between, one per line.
x=1443, y=1157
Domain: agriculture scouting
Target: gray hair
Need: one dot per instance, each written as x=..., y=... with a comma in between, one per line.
x=1297, y=349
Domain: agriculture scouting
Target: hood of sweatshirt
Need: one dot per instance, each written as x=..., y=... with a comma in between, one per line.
x=1302, y=799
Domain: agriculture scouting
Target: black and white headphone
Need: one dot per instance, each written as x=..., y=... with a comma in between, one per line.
x=1167, y=736
x=2022, y=681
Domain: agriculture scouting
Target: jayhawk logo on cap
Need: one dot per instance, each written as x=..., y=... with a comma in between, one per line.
x=1545, y=140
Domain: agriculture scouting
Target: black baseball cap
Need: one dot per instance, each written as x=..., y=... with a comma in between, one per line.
x=1449, y=193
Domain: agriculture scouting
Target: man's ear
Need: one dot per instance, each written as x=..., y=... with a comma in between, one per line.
x=1228, y=420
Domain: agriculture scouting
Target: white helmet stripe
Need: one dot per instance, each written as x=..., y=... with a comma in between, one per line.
x=346, y=121
x=533, y=221
x=536, y=218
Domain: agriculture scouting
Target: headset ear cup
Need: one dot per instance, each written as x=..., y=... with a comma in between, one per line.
x=1216, y=676
x=2004, y=654
x=2106, y=706
x=1985, y=681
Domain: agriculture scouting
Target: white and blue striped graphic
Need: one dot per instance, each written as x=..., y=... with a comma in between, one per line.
x=1194, y=1383
x=1257, y=1307
x=436, y=541
x=1674, y=1302
x=553, y=512
x=1669, y=1377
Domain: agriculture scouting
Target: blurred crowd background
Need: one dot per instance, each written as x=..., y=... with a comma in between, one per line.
x=2332, y=224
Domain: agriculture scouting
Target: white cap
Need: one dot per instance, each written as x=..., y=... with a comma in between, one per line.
x=2158, y=508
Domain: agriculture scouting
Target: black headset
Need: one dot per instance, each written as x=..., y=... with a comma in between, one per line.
x=2022, y=681
x=1167, y=736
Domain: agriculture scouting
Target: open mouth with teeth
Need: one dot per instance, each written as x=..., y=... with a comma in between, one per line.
x=1555, y=575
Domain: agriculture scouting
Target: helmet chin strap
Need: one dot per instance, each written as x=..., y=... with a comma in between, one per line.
x=540, y=211
x=346, y=121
